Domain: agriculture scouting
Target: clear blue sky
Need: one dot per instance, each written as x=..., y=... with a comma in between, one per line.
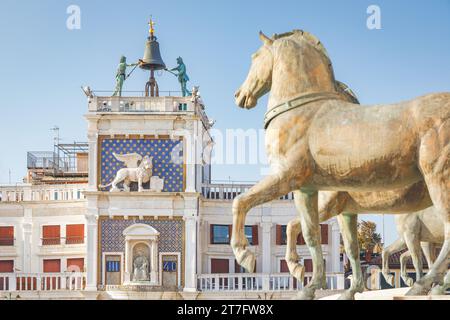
x=44, y=63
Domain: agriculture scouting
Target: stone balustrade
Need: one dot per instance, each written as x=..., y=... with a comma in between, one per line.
x=261, y=282
x=71, y=281
x=28, y=192
x=229, y=191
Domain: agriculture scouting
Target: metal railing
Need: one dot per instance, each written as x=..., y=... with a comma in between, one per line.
x=229, y=191
x=261, y=282
x=62, y=241
x=42, y=281
x=28, y=192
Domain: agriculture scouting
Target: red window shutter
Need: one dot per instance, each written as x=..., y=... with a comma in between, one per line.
x=74, y=233
x=6, y=236
x=51, y=235
x=52, y=265
x=308, y=265
x=230, y=229
x=278, y=235
x=283, y=266
x=75, y=264
x=6, y=266
x=220, y=266
x=237, y=267
x=255, y=235
x=324, y=233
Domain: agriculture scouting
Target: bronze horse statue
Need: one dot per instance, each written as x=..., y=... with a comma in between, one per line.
x=317, y=140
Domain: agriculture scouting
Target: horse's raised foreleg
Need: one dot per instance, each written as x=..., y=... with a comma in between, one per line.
x=398, y=245
x=306, y=203
x=349, y=230
x=293, y=229
x=270, y=188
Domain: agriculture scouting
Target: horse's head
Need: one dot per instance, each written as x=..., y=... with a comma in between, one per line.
x=287, y=65
x=259, y=78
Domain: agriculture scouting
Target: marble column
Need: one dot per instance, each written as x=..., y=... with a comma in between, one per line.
x=154, y=261
x=190, y=273
x=91, y=254
x=27, y=229
x=266, y=248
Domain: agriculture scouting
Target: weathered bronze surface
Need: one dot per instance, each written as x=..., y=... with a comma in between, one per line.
x=337, y=145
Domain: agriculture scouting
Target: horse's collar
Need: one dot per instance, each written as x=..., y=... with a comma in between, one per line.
x=297, y=102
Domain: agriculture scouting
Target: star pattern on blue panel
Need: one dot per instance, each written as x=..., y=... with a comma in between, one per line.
x=167, y=159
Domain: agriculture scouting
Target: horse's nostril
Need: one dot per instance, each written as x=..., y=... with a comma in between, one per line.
x=237, y=93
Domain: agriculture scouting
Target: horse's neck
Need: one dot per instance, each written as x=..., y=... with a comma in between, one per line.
x=299, y=72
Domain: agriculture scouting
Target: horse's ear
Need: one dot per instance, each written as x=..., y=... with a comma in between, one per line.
x=265, y=39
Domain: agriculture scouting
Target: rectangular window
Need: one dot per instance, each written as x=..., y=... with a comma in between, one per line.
x=251, y=232
x=220, y=266
x=239, y=269
x=283, y=266
x=51, y=282
x=6, y=266
x=281, y=235
x=51, y=235
x=112, y=266
x=6, y=236
x=52, y=265
x=220, y=234
x=74, y=233
x=75, y=264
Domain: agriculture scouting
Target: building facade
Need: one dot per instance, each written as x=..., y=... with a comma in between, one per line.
x=83, y=236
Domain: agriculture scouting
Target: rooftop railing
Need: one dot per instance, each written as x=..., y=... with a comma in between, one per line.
x=230, y=190
x=28, y=192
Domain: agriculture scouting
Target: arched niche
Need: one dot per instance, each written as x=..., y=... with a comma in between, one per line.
x=141, y=240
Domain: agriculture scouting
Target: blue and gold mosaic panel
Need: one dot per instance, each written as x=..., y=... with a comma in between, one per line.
x=167, y=159
x=171, y=235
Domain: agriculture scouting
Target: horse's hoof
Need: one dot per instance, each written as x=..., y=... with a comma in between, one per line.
x=390, y=280
x=305, y=294
x=417, y=290
x=437, y=291
x=299, y=273
x=408, y=281
x=347, y=295
x=249, y=261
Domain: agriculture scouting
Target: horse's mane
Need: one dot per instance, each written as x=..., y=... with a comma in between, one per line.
x=316, y=44
x=308, y=37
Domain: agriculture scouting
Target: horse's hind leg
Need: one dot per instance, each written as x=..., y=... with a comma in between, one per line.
x=306, y=203
x=403, y=264
x=348, y=224
x=429, y=249
x=434, y=161
x=398, y=245
x=293, y=229
x=413, y=243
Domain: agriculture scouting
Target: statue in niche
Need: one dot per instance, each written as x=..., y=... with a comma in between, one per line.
x=140, y=267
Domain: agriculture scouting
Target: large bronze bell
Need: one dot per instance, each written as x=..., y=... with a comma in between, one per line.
x=152, y=57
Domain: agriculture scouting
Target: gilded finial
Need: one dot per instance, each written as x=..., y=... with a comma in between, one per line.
x=152, y=28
